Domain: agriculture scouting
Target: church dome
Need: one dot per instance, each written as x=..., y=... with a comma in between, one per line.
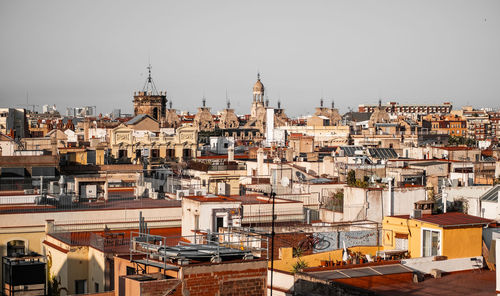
x=258, y=86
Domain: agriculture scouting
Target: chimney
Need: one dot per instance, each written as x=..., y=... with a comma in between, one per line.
x=260, y=161
x=498, y=205
x=49, y=226
x=230, y=152
x=86, y=125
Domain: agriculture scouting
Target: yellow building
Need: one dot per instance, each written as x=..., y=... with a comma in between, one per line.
x=454, y=235
x=83, y=156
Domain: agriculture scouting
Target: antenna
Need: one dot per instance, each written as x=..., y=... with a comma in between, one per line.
x=150, y=86
x=228, y=102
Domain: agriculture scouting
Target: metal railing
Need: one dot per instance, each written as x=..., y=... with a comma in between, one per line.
x=47, y=203
x=125, y=223
x=154, y=247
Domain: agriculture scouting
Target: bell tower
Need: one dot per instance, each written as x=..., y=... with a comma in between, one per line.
x=149, y=101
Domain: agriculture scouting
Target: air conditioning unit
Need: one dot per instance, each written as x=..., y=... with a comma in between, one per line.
x=416, y=213
x=181, y=193
x=200, y=192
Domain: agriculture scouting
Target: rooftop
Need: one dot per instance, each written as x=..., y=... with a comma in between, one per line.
x=259, y=199
x=460, y=283
x=491, y=195
x=451, y=219
x=211, y=198
x=108, y=205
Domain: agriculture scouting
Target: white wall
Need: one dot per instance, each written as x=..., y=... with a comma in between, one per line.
x=88, y=216
x=191, y=208
x=489, y=210
x=373, y=204
x=471, y=194
x=7, y=148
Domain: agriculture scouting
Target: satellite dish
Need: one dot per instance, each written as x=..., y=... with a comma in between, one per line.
x=285, y=182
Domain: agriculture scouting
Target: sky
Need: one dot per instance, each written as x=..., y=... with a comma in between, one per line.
x=95, y=53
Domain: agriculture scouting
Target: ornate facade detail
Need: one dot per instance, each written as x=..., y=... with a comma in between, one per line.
x=203, y=120
x=379, y=115
x=331, y=113
x=228, y=119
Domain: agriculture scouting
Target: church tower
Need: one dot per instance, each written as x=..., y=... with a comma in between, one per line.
x=258, y=99
x=149, y=101
x=258, y=90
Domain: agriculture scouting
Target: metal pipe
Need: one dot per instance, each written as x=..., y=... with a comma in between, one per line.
x=273, y=195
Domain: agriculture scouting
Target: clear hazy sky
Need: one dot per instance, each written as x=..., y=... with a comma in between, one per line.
x=73, y=53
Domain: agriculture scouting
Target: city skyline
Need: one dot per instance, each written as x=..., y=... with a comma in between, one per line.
x=353, y=53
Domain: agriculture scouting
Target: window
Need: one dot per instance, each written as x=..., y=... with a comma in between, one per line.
x=122, y=153
x=196, y=222
x=431, y=242
x=15, y=247
x=130, y=270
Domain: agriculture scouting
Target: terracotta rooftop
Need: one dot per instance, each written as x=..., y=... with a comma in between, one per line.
x=260, y=199
x=451, y=219
x=460, y=283
x=213, y=198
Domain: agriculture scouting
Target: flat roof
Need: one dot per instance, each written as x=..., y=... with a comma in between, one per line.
x=94, y=206
x=458, y=283
x=346, y=273
x=211, y=198
x=427, y=163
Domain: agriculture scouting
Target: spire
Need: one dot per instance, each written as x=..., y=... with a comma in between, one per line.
x=267, y=102
x=149, y=86
x=279, y=104
x=379, y=102
x=228, y=103
x=170, y=104
x=321, y=102
x=333, y=104
x=258, y=76
x=204, y=101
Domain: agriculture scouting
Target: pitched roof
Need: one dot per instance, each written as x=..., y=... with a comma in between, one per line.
x=138, y=118
x=5, y=138
x=453, y=219
x=350, y=150
x=491, y=195
x=383, y=153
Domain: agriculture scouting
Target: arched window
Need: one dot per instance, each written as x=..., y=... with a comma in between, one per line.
x=15, y=247
x=155, y=113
